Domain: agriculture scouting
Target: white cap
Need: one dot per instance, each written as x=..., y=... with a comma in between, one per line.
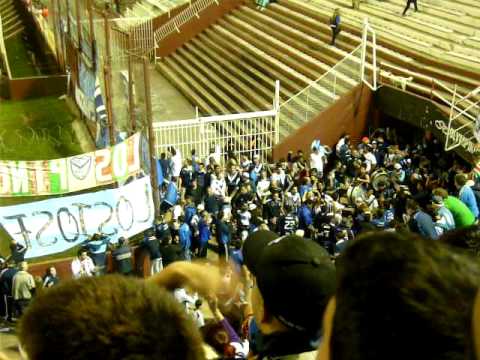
x=397, y=166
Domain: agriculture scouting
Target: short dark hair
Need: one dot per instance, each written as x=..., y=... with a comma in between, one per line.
x=460, y=179
x=109, y=317
x=403, y=297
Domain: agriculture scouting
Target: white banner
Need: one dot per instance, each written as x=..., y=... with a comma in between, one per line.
x=55, y=225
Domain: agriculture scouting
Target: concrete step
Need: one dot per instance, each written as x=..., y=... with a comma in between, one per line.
x=353, y=26
x=240, y=81
x=297, y=41
x=228, y=105
x=170, y=73
x=208, y=71
x=263, y=85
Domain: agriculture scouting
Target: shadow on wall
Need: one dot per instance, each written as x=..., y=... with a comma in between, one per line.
x=348, y=115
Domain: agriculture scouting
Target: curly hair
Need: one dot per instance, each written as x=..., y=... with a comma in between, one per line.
x=110, y=317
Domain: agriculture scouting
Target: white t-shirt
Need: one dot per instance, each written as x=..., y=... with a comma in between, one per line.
x=177, y=163
x=82, y=268
x=371, y=161
x=316, y=161
x=219, y=187
x=262, y=187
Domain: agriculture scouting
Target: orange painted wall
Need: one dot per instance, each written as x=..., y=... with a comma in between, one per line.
x=196, y=26
x=350, y=114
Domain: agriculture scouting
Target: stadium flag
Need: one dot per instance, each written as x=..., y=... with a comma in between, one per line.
x=102, y=138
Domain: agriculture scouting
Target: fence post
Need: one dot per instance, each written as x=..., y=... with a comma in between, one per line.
x=107, y=77
x=276, y=107
x=79, y=25
x=131, y=100
x=374, y=49
x=364, y=49
x=151, y=137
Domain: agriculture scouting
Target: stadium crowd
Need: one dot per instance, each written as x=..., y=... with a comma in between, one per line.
x=364, y=251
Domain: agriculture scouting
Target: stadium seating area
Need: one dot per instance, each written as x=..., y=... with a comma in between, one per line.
x=11, y=22
x=249, y=49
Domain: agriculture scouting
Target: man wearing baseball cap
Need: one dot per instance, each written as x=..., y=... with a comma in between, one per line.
x=293, y=280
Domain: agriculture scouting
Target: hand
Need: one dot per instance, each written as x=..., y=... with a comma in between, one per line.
x=200, y=277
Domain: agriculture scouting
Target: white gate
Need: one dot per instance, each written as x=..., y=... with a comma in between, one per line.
x=247, y=133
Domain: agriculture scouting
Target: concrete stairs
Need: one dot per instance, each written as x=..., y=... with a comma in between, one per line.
x=11, y=21
x=232, y=66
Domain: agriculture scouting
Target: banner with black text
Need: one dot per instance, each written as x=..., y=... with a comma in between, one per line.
x=53, y=226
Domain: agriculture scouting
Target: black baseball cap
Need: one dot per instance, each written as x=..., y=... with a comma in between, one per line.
x=294, y=275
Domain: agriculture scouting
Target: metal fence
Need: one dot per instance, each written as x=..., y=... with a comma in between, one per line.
x=248, y=134
x=321, y=93
x=181, y=18
x=3, y=52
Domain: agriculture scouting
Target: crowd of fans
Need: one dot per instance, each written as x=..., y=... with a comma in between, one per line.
x=348, y=234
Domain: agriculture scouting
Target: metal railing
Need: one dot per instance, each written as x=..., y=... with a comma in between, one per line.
x=463, y=126
x=321, y=93
x=174, y=24
x=246, y=133
x=3, y=51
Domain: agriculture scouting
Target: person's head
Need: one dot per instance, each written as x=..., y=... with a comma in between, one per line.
x=215, y=335
x=411, y=207
x=294, y=278
x=52, y=271
x=82, y=254
x=23, y=266
x=460, y=180
x=440, y=192
x=400, y=297
x=122, y=241
x=110, y=317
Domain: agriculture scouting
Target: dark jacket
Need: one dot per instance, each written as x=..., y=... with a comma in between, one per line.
x=122, y=258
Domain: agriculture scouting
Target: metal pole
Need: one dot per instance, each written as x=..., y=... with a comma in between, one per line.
x=68, y=19
x=92, y=33
x=79, y=25
x=374, y=45
x=364, y=49
x=151, y=137
x=131, y=100
x=108, y=100
x=276, y=107
x=108, y=80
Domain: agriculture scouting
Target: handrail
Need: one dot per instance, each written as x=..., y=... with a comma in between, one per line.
x=314, y=83
x=181, y=18
x=3, y=50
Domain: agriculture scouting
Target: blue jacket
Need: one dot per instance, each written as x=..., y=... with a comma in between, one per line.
x=424, y=225
x=223, y=230
x=171, y=197
x=447, y=216
x=185, y=235
x=468, y=198
x=204, y=233
x=190, y=211
x=305, y=217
